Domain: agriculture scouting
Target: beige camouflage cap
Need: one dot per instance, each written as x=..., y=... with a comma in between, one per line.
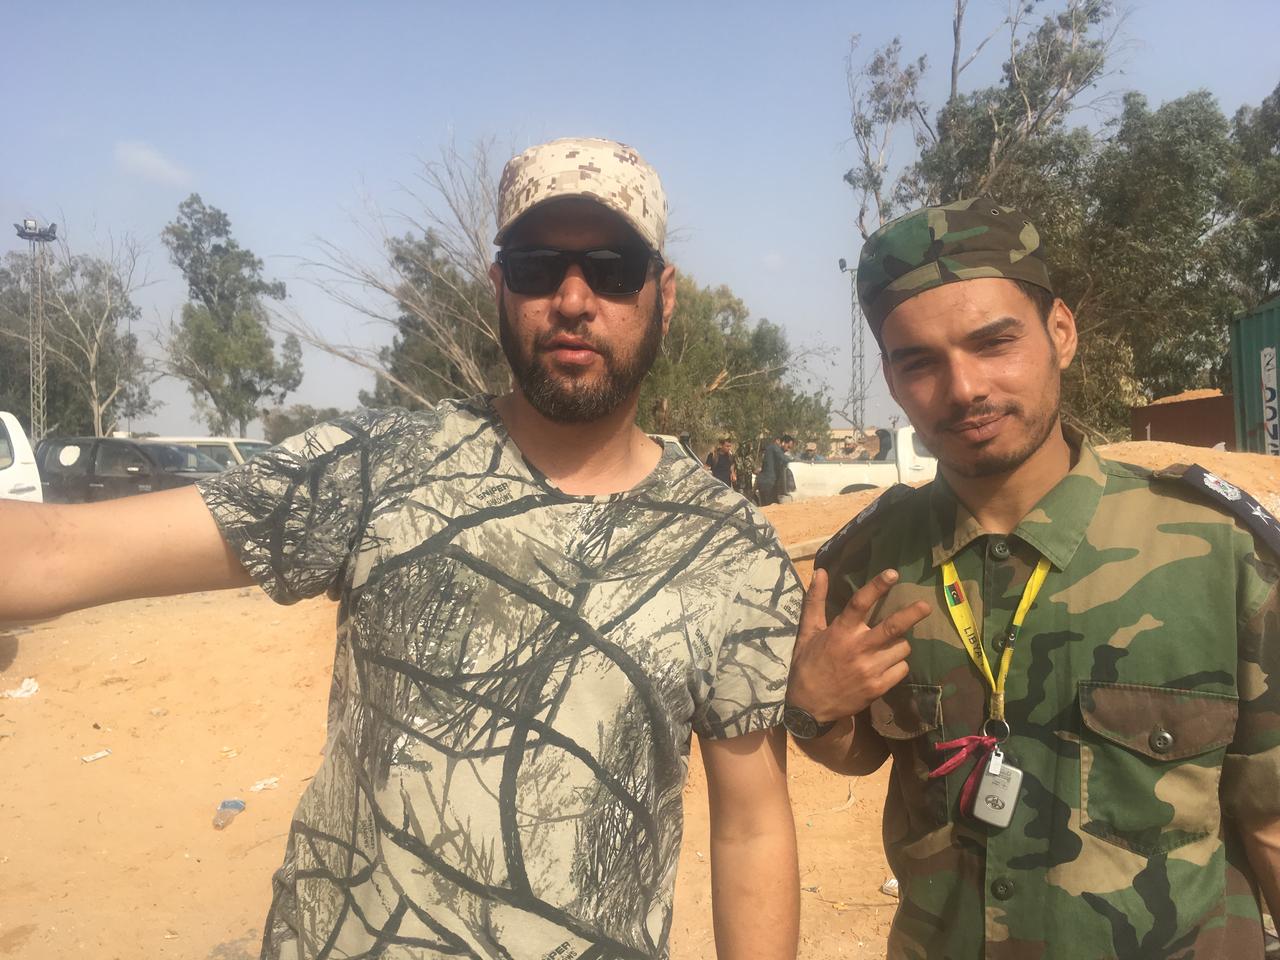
x=931, y=246
x=606, y=171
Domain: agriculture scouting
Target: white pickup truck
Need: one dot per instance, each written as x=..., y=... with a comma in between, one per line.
x=19, y=478
x=903, y=459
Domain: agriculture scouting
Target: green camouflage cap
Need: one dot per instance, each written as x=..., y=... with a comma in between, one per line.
x=610, y=173
x=926, y=248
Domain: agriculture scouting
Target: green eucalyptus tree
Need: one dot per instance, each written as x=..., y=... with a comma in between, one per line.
x=222, y=346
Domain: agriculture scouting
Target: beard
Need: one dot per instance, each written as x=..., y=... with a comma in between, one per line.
x=990, y=463
x=1034, y=428
x=568, y=399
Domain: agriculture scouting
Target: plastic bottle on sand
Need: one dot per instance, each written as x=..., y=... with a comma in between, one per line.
x=227, y=811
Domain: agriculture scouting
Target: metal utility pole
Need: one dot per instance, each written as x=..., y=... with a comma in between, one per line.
x=858, y=378
x=30, y=230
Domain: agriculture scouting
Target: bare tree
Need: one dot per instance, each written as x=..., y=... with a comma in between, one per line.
x=89, y=311
x=1046, y=73
x=89, y=301
x=432, y=288
x=957, y=28
x=882, y=98
x=967, y=149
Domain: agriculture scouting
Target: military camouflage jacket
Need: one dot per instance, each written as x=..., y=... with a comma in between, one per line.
x=1144, y=701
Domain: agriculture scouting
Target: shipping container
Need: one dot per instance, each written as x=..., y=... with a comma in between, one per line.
x=1255, y=343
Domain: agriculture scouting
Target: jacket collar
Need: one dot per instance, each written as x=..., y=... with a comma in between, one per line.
x=1054, y=526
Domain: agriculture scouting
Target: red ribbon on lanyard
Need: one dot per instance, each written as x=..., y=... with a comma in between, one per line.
x=980, y=745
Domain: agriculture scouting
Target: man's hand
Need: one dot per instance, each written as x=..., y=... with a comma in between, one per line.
x=838, y=668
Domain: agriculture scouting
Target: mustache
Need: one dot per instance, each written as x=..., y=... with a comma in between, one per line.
x=984, y=411
x=542, y=342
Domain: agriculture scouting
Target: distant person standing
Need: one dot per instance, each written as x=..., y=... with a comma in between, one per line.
x=771, y=484
x=722, y=463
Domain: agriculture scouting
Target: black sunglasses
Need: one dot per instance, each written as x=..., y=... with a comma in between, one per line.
x=610, y=271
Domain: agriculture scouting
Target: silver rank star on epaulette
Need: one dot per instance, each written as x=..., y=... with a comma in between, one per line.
x=1236, y=501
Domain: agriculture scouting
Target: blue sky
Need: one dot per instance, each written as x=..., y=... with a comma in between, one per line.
x=286, y=115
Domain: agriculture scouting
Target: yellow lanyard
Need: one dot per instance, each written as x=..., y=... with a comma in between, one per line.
x=962, y=617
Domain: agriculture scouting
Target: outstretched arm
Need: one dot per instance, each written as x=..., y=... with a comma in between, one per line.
x=58, y=557
x=755, y=885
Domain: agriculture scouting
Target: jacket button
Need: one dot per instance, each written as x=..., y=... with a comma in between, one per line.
x=1002, y=889
x=1161, y=741
x=999, y=549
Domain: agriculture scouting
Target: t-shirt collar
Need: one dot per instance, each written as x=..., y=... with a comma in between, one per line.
x=656, y=483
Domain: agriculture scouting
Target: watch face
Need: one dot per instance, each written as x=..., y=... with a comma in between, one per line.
x=799, y=723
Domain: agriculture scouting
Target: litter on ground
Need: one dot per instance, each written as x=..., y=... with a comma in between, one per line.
x=28, y=688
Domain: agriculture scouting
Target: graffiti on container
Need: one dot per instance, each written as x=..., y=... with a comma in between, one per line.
x=1270, y=402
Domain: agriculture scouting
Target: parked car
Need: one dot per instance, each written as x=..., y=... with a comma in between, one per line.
x=19, y=478
x=87, y=469
x=902, y=458
x=228, y=451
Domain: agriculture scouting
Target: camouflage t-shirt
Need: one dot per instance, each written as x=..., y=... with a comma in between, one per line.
x=1144, y=701
x=518, y=672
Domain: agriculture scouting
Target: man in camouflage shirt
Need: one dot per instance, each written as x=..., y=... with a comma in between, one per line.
x=538, y=606
x=1142, y=698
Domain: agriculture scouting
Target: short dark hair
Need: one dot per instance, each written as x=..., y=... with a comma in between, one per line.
x=788, y=438
x=1042, y=299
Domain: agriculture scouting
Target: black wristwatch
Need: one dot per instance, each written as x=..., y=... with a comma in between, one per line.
x=802, y=724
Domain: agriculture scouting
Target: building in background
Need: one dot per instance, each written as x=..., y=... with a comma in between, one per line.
x=1197, y=418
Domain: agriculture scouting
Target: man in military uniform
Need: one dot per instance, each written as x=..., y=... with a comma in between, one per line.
x=1085, y=732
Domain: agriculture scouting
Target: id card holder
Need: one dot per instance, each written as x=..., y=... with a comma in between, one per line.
x=997, y=791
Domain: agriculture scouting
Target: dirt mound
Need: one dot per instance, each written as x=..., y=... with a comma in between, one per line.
x=1186, y=395
x=1254, y=472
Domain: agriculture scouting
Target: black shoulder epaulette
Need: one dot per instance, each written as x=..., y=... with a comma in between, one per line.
x=1229, y=497
x=845, y=534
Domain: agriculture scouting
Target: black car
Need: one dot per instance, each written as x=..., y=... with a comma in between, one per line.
x=86, y=469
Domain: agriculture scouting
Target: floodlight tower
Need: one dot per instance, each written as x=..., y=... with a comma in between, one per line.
x=858, y=378
x=31, y=230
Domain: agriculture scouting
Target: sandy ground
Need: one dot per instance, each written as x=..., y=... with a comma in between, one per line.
x=200, y=697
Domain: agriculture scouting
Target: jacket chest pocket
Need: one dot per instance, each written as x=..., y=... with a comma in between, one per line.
x=1150, y=761
x=909, y=717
